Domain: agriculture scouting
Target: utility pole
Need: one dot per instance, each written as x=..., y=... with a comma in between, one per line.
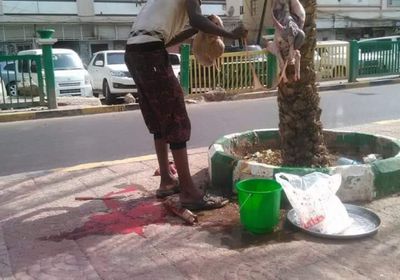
x=47, y=42
x=262, y=22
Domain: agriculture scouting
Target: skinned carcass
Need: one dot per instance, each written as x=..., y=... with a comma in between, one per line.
x=288, y=18
x=207, y=48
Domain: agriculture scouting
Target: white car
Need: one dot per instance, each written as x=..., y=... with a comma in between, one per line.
x=3, y=91
x=7, y=69
x=110, y=76
x=175, y=60
x=71, y=78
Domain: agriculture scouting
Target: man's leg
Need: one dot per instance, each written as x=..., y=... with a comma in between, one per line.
x=192, y=197
x=189, y=193
x=168, y=180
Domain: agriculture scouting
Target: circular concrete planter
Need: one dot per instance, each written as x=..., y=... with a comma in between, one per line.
x=360, y=182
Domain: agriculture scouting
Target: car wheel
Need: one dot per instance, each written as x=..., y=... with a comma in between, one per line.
x=12, y=89
x=109, y=98
x=95, y=92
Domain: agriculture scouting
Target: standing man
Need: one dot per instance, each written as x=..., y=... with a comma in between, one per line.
x=161, y=24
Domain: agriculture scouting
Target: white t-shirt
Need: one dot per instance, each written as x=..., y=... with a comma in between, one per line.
x=167, y=18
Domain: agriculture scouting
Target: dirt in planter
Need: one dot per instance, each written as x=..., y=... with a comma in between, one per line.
x=271, y=157
x=274, y=156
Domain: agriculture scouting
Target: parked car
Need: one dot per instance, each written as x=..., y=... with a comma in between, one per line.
x=249, y=48
x=7, y=73
x=110, y=76
x=71, y=78
x=3, y=91
x=175, y=60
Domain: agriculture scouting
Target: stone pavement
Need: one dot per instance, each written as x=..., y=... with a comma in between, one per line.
x=46, y=234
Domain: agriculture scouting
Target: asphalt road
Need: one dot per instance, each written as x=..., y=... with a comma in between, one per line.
x=54, y=143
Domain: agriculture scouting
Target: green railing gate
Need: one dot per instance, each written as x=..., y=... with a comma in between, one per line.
x=233, y=72
x=22, y=84
x=378, y=58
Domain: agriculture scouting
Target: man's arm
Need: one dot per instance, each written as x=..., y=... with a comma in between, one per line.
x=186, y=34
x=200, y=22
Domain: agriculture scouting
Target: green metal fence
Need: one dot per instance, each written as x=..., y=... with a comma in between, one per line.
x=22, y=83
x=378, y=58
x=333, y=60
x=233, y=72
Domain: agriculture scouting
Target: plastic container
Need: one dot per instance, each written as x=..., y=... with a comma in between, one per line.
x=346, y=161
x=371, y=158
x=259, y=202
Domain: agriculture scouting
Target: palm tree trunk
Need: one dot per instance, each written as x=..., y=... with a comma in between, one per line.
x=300, y=127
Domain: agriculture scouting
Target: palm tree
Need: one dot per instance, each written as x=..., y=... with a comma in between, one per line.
x=302, y=141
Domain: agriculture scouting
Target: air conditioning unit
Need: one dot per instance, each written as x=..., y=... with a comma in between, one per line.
x=231, y=11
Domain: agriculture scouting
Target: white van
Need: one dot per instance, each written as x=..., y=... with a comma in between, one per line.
x=71, y=78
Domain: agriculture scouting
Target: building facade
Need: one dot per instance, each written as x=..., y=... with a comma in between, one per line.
x=85, y=26
x=88, y=26
x=350, y=19
x=337, y=19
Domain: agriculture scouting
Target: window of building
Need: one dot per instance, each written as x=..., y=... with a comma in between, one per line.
x=394, y=3
x=253, y=7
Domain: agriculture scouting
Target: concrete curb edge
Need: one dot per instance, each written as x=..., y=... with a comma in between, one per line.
x=360, y=182
x=31, y=115
x=359, y=84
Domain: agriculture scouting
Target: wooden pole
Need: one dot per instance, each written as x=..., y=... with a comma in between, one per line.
x=262, y=22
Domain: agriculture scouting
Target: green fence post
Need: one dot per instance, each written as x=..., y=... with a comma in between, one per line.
x=272, y=70
x=271, y=63
x=353, y=73
x=185, y=67
x=40, y=80
x=46, y=41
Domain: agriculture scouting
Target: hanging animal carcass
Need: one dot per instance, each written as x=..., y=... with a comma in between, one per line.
x=207, y=48
x=288, y=17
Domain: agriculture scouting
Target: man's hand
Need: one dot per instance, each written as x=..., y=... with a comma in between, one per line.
x=202, y=23
x=239, y=32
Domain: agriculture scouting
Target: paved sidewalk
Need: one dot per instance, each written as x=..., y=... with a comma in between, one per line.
x=46, y=234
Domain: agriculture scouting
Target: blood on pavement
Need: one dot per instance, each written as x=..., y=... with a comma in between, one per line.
x=124, y=218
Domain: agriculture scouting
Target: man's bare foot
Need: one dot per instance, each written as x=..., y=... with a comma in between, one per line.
x=168, y=186
x=206, y=202
x=169, y=182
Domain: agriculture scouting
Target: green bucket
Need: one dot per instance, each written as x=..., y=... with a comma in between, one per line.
x=259, y=202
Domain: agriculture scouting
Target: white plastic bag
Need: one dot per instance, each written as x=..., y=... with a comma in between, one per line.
x=313, y=198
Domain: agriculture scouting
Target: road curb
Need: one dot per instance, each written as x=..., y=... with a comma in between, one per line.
x=359, y=84
x=255, y=95
x=32, y=115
